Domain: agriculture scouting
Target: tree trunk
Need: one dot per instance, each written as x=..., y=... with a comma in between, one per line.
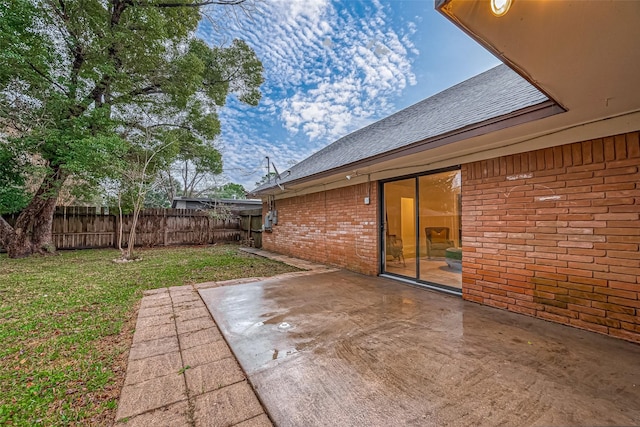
x=42, y=236
x=36, y=217
x=6, y=232
x=119, y=225
x=15, y=242
x=132, y=233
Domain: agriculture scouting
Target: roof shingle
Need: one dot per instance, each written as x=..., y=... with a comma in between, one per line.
x=494, y=93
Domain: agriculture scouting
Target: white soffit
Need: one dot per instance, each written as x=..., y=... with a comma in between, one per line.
x=584, y=54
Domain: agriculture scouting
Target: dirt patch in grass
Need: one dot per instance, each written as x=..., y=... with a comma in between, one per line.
x=67, y=321
x=111, y=392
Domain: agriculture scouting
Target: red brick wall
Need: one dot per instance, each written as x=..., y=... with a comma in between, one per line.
x=554, y=234
x=334, y=227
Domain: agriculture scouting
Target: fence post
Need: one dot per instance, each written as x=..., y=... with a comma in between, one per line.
x=165, y=236
x=116, y=228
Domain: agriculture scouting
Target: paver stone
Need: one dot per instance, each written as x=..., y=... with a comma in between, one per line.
x=226, y=406
x=142, y=397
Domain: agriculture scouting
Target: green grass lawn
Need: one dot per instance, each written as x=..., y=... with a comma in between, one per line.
x=66, y=324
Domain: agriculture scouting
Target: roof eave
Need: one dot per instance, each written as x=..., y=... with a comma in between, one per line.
x=553, y=45
x=518, y=117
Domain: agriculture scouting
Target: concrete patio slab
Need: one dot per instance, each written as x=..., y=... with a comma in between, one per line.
x=338, y=348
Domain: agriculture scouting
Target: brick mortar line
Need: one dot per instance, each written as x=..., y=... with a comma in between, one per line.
x=148, y=411
x=256, y=416
x=190, y=404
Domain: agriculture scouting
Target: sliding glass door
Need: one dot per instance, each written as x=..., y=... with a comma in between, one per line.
x=440, y=229
x=399, y=234
x=422, y=229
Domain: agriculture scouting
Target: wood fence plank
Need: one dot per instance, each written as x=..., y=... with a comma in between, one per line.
x=84, y=228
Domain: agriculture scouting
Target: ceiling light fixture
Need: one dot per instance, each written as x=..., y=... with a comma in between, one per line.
x=500, y=7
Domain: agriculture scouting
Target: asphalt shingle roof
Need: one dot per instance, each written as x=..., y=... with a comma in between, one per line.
x=494, y=93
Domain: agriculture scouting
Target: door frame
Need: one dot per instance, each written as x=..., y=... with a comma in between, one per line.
x=382, y=238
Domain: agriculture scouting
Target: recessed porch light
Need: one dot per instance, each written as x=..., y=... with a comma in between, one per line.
x=500, y=7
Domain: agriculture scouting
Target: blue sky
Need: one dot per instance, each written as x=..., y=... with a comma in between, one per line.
x=332, y=67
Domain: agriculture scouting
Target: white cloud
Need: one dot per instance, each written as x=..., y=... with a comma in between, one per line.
x=365, y=64
x=295, y=9
x=329, y=70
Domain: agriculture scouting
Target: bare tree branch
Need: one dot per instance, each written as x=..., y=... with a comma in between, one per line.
x=47, y=78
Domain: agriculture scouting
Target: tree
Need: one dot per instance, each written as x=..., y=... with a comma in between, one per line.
x=139, y=171
x=13, y=195
x=156, y=199
x=80, y=82
x=231, y=191
x=193, y=172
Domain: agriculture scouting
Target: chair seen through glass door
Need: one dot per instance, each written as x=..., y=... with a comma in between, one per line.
x=422, y=228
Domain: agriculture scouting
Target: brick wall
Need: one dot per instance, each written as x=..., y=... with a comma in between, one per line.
x=554, y=234
x=334, y=227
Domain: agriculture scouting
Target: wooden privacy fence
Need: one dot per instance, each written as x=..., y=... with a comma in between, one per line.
x=85, y=228
x=251, y=225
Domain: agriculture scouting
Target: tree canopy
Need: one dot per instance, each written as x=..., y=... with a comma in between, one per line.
x=192, y=174
x=84, y=84
x=231, y=191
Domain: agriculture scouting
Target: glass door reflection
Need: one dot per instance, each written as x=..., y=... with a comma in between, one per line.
x=440, y=214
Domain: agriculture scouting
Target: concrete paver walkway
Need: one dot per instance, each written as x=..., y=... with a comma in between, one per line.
x=308, y=267
x=181, y=371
